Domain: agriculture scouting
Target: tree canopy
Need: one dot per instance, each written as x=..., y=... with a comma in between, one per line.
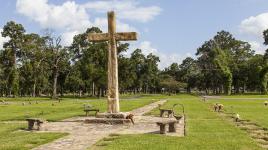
x=37, y=65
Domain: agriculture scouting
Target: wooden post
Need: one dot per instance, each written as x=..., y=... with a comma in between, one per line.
x=113, y=94
x=112, y=37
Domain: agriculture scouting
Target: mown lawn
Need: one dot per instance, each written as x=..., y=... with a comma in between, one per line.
x=245, y=96
x=205, y=131
x=253, y=110
x=53, y=111
x=13, y=138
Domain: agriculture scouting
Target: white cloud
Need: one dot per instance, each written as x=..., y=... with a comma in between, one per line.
x=255, y=25
x=69, y=15
x=166, y=59
x=67, y=37
x=2, y=39
x=253, y=28
x=124, y=27
x=257, y=46
x=121, y=26
x=72, y=18
x=147, y=48
x=129, y=10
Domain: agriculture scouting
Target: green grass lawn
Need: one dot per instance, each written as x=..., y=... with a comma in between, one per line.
x=24, y=99
x=62, y=110
x=245, y=96
x=253, y=110
x=205, y=131
x=12, y=138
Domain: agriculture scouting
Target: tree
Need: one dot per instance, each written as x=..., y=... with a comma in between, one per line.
x=150, y=75
x=34, y=65
x=255, y=64
x=15, y=34
x=170, y=85
x=33, y=52
x=57, y=57
x=189, y=73
x=213, y=61
x=74, y=82
x=264, y=70
x=92, y=58
x=221, y=62
x=126, y=74
x=138, y=60
x=173, y=70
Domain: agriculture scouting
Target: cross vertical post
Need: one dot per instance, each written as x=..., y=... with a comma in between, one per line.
x=112, y=37
x=113, y=93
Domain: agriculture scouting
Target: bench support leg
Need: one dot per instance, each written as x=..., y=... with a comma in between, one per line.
x=96, y=113
x=169, y=114
x=172, y=127
x=39, y=125
x=30, y=125
x=161, y=113
x=162, y=129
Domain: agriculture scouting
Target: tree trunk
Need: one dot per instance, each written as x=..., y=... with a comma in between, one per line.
x=15, y=87
x=188, y=89
x=102, y=92
x=34, y=88
x=80, y=92
x=10, y=92
x=236, y=89
x=99, y=92
x=61, y=91
x=55, y=78
x=93, y=89
x=244, y=88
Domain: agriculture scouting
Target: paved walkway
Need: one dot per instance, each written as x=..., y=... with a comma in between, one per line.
x=236, y=98
x=82, y=136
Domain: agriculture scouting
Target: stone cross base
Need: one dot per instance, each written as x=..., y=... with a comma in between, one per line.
x=112, y=121
x=112, y=115
x=110, y=118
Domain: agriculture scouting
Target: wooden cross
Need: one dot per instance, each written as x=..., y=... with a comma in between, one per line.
x=112, y=37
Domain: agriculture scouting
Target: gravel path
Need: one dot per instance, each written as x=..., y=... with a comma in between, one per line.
x=82, y=136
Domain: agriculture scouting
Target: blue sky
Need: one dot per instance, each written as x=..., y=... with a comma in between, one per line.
x=171, y=29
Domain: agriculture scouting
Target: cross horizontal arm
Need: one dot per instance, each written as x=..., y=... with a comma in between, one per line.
x=125, y=36
x=120, y=36
x=98, y=37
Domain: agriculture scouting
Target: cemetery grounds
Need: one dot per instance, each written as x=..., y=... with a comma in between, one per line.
x=205, y=129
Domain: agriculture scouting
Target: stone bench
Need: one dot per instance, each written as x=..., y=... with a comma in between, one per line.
x=89, y=108
x=204, y=98
x=34, y=123
x=171, y=126
x=162, y=111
